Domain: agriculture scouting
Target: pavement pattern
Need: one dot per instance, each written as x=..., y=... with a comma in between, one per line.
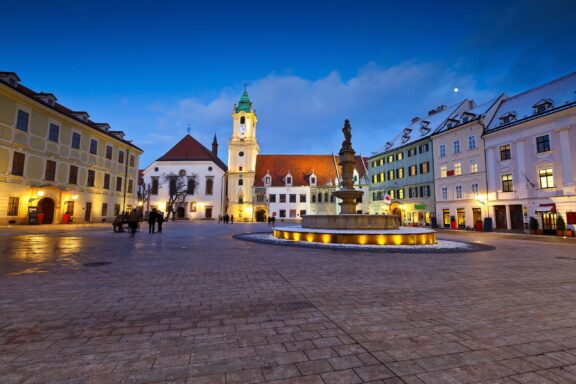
x=193, y=305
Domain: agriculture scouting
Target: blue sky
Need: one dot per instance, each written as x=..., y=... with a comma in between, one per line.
x=150, y=68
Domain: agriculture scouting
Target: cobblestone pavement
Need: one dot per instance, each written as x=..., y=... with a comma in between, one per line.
x=193, y=305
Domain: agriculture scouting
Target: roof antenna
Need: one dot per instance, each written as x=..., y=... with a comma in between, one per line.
x=188, y=128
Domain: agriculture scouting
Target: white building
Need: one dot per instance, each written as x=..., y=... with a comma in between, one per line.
x=530, y=168
x=204, y=173
x=459, y=166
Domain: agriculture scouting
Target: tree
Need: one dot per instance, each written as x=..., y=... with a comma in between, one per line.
x=143, y=193
x=179, y=186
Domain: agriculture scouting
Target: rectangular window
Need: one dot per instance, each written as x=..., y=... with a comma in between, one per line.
x=425, y=191
x=471, y=142
x=76, y=137
x=374, y=179
x=444, y=193
x=302, y=212
x=104, y=211
x=475, y=189
x=400, y=173
x=91, y=178
x=118, y=184
x=507, y=185
x=13, y=203
x=399, y=155
x=106, y=184
x=458, y=191
x=390, y=159
x=391, y=174
x=93, y=146
x=382, y=177
x=132, y=161
x=543, y=143
x=50, y=174
x=282, y=212
x=546, y=178
x=457, y=169
x=473, y=168
x=442, y=150
x=302, y=198
x=292, y=213
x=73, y=176
x=505, y=152
x=424, y=148
x=130, y=185
x=121, y=157
x=154, y=186
x=109, y=152
x=272, y=198
x=22, y=120
x=401, y=193
x=70, y=207
x=292, y=198
x=53, y=132
x=443, y=171
x=209, y=185
x=412, y=170
x=392, y=194
x=374, y=164
x=190, y=185
x=116, y=209
x=282, y=198
x=381, y=162
x=18, y=164
x=456, y=146
x=425, y=167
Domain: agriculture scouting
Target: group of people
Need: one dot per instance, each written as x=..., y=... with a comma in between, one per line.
x=155, y=217
x=132, y=219
x=271, y=220
x=226, y=219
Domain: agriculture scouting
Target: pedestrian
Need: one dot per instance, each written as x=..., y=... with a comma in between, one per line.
x=117, y=223
x=152, y=216
x=269, y=220
x=219, y=219
x=231, y=219
x=273, y=221
x=160, y=220
x=133, y=219
x=226, y=218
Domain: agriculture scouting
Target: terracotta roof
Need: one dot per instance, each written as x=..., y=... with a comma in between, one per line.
x=301, y=167
x=65, y=111
x=189, y=149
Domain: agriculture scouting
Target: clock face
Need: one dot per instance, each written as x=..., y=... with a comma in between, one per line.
x=242, y=129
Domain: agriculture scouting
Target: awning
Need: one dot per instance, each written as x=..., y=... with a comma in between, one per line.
x=546, y=208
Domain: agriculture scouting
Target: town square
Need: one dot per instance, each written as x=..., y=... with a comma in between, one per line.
x=314, y=192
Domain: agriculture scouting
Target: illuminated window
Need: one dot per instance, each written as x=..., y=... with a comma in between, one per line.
x=546, y=178
x=473, y=168
x=425, y=167
x=507, y=185
x=13, y=203
x=457, y=169
x=401, y=193
x=443, y=172
x=505, y=152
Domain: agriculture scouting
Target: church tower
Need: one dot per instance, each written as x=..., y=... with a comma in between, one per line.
x=242, y=151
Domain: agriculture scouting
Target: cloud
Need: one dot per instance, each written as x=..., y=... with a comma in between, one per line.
x=298, y=115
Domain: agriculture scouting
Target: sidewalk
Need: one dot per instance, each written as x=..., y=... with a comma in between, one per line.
x=509, y=235
x=14, y=230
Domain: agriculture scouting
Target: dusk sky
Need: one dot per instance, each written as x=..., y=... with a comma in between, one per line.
x=150, y=68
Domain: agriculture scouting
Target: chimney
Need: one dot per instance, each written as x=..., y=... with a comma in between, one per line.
x=215, y=146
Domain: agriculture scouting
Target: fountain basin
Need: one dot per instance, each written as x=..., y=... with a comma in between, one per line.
x=401, y=236
x=351, y=222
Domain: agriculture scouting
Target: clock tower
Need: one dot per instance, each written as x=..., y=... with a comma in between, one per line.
x=242, y=151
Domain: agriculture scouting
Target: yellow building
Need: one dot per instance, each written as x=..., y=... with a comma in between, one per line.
x=242, y=152
x=57, y=164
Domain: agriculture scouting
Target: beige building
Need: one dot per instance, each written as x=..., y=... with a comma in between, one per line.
x=56, y=164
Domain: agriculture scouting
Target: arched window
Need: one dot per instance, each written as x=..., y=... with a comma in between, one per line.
x=209, y=186
x=240, y=182
x=240, y=199
x=243, y=120
x=267, y=180
x=313, y=198
x=319, y=197
x=326, y=197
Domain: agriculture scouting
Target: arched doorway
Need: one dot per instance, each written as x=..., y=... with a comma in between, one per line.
x=180, y=213
x=261, y=215
x=46, y=207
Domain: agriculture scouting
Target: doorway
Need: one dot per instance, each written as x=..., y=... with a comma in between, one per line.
x=476, y=217
x=180, y=212
x=516, y=217
x=446, y=218
x=549, y=223
x=500, y=214
x=88, y=212
x=208, y=213
x=260, y=215
x=46, y=207
x=461, y=217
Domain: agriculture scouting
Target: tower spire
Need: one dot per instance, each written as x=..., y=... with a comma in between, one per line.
x=188, y=129
x=215, y=146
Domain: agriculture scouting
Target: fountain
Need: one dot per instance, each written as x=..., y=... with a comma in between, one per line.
x=349, y=227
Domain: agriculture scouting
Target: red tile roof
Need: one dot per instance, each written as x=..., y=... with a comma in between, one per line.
x=189, y=149
x=301, y=167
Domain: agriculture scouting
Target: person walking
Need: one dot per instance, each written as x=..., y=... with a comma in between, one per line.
x=160, y=220
x=219, y=219
x=152, y=220
x=133, y=219
x=231, y=219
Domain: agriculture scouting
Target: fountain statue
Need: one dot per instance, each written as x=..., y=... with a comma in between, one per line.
x=350, y=227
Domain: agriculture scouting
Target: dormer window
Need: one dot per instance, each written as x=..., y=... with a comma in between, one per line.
x=10, y=78
x=47, y=98
x=542, y=106
x=405, y=139
x=267, y=179
x=507, y=118
x=313, y=180
x=83, y=116
x=465, y=119
x=389, y=145
x=288, y=179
